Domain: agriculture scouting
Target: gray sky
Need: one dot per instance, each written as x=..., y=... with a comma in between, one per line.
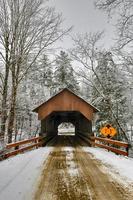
x=84, y=17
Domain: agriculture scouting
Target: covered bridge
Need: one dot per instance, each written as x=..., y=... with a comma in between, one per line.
x=65, y=106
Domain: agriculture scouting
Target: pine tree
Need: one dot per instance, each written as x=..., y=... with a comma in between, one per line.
x=64, y=73
x=108, y=95
x=46, y=74
x=42, y=76
x=35, y=89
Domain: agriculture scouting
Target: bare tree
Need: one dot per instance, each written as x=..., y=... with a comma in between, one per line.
x=29, y=27
x=123, y=13
x=4, y=55
x=86, y=51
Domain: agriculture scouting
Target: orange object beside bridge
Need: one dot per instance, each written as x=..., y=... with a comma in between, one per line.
x=108, y=131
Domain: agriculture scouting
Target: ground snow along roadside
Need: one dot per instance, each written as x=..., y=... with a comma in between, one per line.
x=18, y=175
x=116, y=163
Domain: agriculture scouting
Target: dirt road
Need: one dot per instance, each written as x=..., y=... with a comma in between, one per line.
x=72, y=174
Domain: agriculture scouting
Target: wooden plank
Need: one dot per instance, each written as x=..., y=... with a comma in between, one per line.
x=7, y=155
x=109, y=141
x=86, y=139
x=118, y=151
x=8, y=146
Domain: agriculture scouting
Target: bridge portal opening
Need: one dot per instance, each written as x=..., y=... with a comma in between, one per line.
x=51, y=124
x=66, y=128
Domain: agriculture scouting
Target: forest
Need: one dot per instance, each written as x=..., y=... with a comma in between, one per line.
x=33, y=70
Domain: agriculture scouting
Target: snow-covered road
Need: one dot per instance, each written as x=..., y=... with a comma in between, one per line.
x=68, y=162
x=18, y=175
x=114, y=164
x=72, y=173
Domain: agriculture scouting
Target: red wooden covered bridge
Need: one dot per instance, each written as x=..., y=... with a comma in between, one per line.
x=66, y=106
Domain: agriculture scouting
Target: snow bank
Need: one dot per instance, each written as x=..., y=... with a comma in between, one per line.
x=18, y=175
x=116, y=163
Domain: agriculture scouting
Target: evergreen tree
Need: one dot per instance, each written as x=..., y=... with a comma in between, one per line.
x=64, y=73
x=47, y=74
x=108, y=95
x=35, y=89
x=42, y=76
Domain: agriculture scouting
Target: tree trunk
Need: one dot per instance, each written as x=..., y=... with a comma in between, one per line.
x=12, y=114
x=4, y=105
x=4, y=97
x=22, y=124
x=15, y=129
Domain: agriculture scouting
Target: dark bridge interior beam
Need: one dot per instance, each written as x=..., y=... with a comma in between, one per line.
x=50, y=124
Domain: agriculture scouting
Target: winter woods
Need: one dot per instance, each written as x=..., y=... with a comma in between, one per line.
x=30, y=72
x=27, y=30
x=104, y=80
x=121, y=12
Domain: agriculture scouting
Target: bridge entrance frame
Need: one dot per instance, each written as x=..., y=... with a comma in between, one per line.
x=66, y=106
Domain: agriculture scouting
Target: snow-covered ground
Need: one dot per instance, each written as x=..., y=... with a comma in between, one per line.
x=120, y=167
x=19, y=174
x=66, y=131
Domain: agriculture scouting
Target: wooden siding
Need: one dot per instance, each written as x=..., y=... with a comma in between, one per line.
x=65, y=101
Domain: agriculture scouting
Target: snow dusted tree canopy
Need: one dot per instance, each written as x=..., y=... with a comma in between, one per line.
x=32, y=70
x=27, y=28
x=64, y=73
x=114, y=100
x=122, y=10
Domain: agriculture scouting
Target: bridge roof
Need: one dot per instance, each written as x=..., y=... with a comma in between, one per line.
x=65, y=100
